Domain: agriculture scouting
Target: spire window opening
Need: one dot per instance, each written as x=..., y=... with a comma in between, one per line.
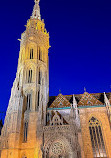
x=31, y=53
x=25, y=131
x=96, y=135
x=29, y=100
x=30, y=76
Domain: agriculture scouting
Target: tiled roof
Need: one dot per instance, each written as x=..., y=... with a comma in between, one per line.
x=60, y=101
x=98, y=97
x=88, y=100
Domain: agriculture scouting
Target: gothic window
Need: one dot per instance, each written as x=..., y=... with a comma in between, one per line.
x=96, y=135
x=31, y=53
x=30, y=76
x=25, y=131
x=40, y=76
x=40, y=54
x=37, y=52
x=38, y=97
x=29, y=100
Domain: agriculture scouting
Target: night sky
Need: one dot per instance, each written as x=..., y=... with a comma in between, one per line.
x=80, y=39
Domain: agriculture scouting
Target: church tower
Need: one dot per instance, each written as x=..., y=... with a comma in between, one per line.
x=26, y=114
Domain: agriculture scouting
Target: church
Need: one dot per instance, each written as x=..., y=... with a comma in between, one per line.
x=39, y=126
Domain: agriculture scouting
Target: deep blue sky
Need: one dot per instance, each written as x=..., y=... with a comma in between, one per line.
x=80, y=39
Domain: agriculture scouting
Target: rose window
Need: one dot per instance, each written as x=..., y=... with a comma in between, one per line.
x=57, y=148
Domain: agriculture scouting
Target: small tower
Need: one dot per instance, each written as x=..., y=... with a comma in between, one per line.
x=26, y=113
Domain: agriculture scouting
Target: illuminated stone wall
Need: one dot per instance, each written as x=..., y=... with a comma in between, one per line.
x=101, y=114
x=33, y=128
x=32, y=78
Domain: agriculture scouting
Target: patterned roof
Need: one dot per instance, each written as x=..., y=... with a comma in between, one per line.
x=95, y=98
x=88, y=100
x=60, y=101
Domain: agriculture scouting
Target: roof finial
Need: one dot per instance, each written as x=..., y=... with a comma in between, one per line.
x=84, y=89
x=36, y=11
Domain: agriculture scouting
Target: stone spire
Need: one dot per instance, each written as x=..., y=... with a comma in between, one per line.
x=36, y=11
x=74, y=102
x=106, y=101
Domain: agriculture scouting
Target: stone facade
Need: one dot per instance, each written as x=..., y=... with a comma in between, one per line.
x=39, y=126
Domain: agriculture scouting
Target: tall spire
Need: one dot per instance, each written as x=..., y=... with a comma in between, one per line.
x=36, y=11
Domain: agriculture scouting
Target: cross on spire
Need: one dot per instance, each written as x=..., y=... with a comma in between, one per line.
x=36, y=11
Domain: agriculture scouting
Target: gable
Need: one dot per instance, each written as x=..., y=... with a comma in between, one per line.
x=88, y=100
x=56, y=119
x=60, y=102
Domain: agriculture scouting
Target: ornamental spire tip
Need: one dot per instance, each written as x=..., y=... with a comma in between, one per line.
x=36, y=11
x=37, y=1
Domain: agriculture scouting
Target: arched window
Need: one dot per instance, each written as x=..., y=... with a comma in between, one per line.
x=29, y=100
x=30, y=76
x=97, y=138
x=31, y=53
x=25, y=131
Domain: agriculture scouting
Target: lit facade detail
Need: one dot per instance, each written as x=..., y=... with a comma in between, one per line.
x=39, y=126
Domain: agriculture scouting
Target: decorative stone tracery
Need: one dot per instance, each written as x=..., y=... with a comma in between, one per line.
x=58, y=146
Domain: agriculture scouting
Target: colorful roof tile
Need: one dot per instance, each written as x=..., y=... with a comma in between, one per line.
x=89, y=100
x=60, y=101
x=97, y=99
